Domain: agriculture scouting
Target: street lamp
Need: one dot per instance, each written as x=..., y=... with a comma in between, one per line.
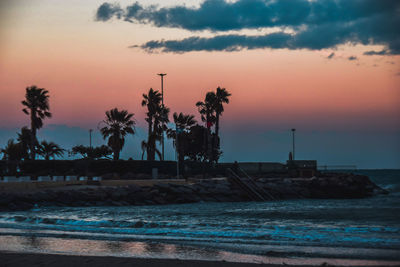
x=162, y=103
x=293, y=144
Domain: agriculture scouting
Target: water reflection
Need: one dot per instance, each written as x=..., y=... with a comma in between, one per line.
x=49, y=245
x=115, y=246
x=153, y=247
x=33, y=241
x=203, y=252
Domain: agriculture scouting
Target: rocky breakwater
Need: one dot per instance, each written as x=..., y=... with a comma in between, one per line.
x=210, y=190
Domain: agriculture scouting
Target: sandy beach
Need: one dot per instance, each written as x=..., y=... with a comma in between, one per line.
x=23, y=260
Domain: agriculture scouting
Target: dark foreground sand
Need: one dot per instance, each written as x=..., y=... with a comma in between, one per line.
x=26, y=260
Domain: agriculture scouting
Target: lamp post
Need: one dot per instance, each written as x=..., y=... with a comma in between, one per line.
x=293, y=143
x=162, y=103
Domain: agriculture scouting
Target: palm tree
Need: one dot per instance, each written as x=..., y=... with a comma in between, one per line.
x=37, y=106
x=118, y=125
x=157, y=117
x=24, y=138
x=183, y=123
x=13, y=151
x=222, y=96
x=160, y=125
x=50, y=150
x=152, y=101
x=207, y=112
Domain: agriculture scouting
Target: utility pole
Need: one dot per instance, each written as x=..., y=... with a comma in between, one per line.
x=162, y=103
x=293, y=144
x=90, y=138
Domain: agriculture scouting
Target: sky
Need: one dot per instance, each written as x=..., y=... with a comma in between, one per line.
x=330, y=69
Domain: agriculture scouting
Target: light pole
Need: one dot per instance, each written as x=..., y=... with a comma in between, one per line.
x=162, y=103
x=293, y=144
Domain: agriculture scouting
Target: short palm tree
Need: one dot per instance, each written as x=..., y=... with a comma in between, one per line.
x=117, y=125
x=24, y=138
x=13, y=151
x=50, y=150
x=183, y=123
x=37, y=106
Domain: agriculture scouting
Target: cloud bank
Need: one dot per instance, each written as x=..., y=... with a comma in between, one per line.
x=313, y=25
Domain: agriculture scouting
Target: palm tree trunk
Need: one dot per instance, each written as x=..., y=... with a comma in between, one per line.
x=116, y=154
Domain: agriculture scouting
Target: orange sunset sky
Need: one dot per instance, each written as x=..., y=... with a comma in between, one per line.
x=88, y=67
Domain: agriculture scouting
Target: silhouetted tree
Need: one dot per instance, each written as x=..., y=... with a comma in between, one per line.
x=118, y=125
x=92, y=152
x=207, y=112
x=221, y=97
x=50, y=150
x=180, y=134
x=152, y=100
x=12, y=151
x=24, y=138
x=37, y=106
x=157, y=117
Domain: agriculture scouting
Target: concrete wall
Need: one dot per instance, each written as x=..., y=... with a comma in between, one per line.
x=259, y=167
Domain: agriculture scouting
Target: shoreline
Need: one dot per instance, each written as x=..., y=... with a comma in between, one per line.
x=22, y=259
x=19, y=259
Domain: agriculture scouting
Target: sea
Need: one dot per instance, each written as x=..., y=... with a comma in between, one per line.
x=355, y=232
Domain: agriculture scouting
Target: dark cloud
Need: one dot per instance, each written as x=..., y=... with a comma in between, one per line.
x=106, y=11
x=331, y=55
x=316, y=24
x=376, y=53
x=351, y=58
x=220, y=43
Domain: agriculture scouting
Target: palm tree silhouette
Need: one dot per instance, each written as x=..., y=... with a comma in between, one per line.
x=12, y=151
x=157, y=117
x=183, y=123
x=207, y=112
x=50, y=150
x=37, y=106
x=24, y=138
x=221, y=97
x=207, y=109
x=118, y=125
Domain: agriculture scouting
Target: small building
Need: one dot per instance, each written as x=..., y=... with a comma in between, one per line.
x=302, y=168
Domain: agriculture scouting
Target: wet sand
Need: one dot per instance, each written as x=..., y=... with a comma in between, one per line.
x=24, y=260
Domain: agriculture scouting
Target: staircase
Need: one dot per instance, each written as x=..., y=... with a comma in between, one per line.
x=248, y=185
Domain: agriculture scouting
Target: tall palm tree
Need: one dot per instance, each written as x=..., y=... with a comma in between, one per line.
x=50, y=150
x=160, y=125
x=207, y=112
x=37, y=106
x=221, y=97
x=117, y=125
x=157, y=117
